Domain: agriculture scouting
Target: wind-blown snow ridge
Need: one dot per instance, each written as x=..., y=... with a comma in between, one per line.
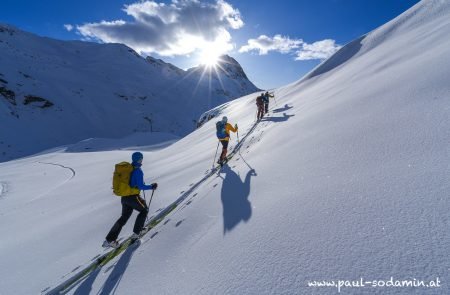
x=340, y=57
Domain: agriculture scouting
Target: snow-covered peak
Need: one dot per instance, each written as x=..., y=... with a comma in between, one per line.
x=231, y=67
x=225, y=65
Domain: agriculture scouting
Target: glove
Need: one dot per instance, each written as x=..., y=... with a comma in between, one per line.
x=154, y=186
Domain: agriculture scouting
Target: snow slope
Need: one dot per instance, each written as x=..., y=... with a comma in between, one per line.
x=346, y=179
x=56, y=92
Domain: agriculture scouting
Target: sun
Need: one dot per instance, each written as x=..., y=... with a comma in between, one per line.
x=209, y=58
x=210, y=55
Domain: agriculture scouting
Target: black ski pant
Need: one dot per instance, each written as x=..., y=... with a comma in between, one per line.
x=266, y=107
x=128, y=204
x=224, y=150
x=260, y=111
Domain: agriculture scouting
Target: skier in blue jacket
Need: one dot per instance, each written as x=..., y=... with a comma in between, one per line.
x=130, y=203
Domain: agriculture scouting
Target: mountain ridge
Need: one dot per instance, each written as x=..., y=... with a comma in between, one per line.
x=60, y=92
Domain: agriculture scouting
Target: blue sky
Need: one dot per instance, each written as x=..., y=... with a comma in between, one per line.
x=287, y=38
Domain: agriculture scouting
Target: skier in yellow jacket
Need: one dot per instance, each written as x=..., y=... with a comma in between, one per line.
x=223, y=134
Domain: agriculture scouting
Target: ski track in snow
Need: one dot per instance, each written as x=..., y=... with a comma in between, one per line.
x=62, y=166
x=254, y=130
x=73, y=172
x=185, y=201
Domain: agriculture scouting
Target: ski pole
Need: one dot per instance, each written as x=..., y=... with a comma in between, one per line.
x=148, y=207
x=150, y=201
x=274, y=99
x=216, y=153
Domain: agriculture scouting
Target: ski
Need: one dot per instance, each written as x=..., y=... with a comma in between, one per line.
x=111, y=254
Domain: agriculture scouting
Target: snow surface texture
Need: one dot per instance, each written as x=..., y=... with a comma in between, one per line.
x=58, y=92
x=347, y=178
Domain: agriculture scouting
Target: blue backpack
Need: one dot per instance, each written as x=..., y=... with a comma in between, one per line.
x=220, y=128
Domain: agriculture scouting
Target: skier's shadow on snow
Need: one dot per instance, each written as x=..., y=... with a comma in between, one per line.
x=119, y=269
x=284, y=118
x=114, y=277
x=283, y=109
x=86, y=286
x=235, y=193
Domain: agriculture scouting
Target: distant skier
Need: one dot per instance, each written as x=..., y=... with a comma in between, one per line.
x=267, y=95
x=128, y=181
x=223, y=134
x=260, y=106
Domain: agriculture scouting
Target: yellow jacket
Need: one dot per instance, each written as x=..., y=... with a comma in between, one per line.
x=228, y=128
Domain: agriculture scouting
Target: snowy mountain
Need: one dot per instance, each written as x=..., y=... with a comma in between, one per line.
x=346, y=179
x=59, y=92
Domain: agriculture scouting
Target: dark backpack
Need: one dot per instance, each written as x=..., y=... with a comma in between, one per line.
x=259, y=100
x=220, y=130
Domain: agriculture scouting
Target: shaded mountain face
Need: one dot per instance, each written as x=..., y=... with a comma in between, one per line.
x=56, y=92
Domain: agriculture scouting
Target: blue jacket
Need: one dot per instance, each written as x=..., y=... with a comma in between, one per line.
x=137, y=179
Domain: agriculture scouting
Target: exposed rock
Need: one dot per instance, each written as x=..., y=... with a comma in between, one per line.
x=4, y=29
x=9, y=95
x=37, y=101
x=26, y=76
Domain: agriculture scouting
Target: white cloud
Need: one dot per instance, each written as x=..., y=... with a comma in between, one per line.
x=178, y=28
x=68, y=27
x=318, y=50
x=303, y=51
x=278, y=43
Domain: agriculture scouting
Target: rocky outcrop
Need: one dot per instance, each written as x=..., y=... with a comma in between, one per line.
x=37, y=101
x=9, y=95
